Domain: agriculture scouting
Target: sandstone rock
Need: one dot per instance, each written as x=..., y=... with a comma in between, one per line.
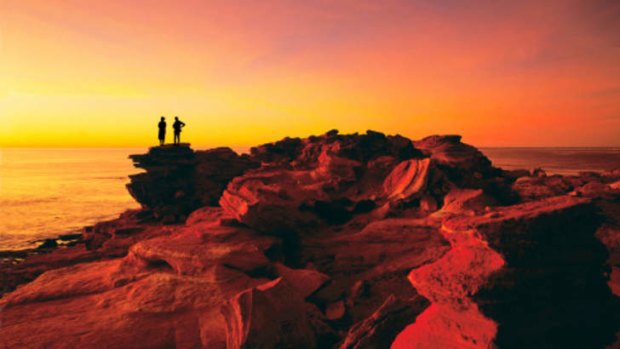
x=280, y=152
x=268, y=316
x=381, y=328
x=540, y=187
x=335, y=310
x=597, y=189
x=325, y=179
x=452, y=153
x=215, y=168
x=305, y=281
x=210, y=216
x=390, y=245
x=465, y=202
x=521, y=275
x=318, y=242
x=178, y=180
x=407, y=179
x=466, y=167
x=270, y=201
x=171, y=287
x=378, y=256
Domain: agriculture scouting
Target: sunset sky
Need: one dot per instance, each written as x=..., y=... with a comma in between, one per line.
x=501, y=73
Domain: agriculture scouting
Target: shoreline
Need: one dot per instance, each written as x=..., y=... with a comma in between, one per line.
x=326, y=235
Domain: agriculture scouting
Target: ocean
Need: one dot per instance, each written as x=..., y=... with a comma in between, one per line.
x=51, y=191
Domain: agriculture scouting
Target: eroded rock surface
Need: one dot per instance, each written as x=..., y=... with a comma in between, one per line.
x=332, y=241
x=179, y=180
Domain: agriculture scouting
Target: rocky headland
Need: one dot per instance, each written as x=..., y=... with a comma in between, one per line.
x=331, y=241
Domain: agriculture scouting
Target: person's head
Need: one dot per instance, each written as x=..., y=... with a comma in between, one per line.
x=163, y=118
x=176, y=118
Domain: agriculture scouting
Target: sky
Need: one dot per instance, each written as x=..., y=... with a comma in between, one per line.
x=239, y=73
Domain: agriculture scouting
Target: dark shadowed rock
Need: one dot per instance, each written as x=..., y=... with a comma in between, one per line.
x=48, y=243
x=214, y=169
x=178, y=180
x=381, y=328
x=527, y=275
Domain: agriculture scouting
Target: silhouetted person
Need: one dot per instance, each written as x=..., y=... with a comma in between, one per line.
x=162, y=130
x=177, y=126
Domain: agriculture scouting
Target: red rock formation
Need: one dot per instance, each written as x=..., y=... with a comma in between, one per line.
x=526, y=275
x=178, y=180
x=268, y=316
x=350, y=241
x=381, y=328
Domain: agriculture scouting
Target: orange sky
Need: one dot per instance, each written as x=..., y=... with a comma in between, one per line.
x=501, y=73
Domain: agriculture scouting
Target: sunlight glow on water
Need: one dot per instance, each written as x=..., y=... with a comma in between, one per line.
x=47, y=192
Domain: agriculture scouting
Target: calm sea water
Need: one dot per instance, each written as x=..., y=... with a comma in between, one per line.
x=564, y=161
x=47, y=192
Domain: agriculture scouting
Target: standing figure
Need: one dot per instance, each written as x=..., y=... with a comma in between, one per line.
x=178, y=124
x=162, y=130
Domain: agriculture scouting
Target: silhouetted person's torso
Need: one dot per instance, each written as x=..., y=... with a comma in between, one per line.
x=162, y=129
x=177, y=126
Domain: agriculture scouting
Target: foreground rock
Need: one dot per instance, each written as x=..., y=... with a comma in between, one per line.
x=521, y=276
x=333, y=241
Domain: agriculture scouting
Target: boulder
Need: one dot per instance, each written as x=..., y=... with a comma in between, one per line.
x=449, y=152
x=466, y=167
